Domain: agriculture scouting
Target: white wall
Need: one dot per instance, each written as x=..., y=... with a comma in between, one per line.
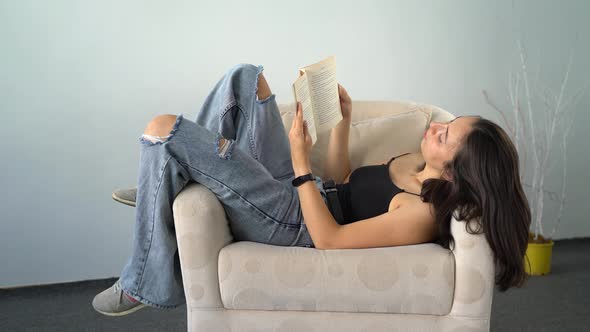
x=79, y=81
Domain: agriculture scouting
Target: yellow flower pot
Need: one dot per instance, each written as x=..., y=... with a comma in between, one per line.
x=539, y=257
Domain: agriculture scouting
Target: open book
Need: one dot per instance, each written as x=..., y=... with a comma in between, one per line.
x=317, y=90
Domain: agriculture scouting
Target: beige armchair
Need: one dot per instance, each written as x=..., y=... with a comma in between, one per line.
x=249, y=286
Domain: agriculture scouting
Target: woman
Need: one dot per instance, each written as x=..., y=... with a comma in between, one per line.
x=237, y=147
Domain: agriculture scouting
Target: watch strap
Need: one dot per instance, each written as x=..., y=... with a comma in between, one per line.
x=302, y=179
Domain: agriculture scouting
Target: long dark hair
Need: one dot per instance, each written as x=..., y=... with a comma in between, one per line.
x=484, y=185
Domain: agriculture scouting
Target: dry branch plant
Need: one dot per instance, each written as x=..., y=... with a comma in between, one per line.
x=555, y=112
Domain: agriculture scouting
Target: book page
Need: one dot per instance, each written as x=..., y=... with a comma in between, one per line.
x=302, y=94
x=323, y=88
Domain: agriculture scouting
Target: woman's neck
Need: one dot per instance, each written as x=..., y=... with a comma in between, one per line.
x=426, y=173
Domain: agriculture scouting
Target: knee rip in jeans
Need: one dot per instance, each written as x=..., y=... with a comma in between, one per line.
x=223, y=146
x=267, y=98
x=152, y=139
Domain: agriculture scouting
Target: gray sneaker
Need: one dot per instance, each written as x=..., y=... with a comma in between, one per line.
x=125, y=196
x=113, y=302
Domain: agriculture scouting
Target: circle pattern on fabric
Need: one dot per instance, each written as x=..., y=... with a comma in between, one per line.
x=196, y=291
x=252, y=298
x=294, y=271
x=420, y=271
x=472, y=288
x=199, y=253
x=377, y=262
x=252, y=265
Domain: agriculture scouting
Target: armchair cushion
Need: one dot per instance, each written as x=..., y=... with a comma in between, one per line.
x=416, y=279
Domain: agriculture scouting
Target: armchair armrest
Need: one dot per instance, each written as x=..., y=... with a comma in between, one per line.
x=474, y=273
x=202, y=230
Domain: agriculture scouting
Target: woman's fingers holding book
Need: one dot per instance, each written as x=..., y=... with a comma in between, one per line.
x=342, y=91
x=298, y=119
x=345, y=102
x=300, y=140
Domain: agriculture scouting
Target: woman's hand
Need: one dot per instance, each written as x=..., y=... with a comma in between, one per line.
x=345, y=103
x=300, y=141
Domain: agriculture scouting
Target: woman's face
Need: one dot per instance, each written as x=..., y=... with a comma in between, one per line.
x=442, y=140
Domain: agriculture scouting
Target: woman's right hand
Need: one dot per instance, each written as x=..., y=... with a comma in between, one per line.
x=345, y=103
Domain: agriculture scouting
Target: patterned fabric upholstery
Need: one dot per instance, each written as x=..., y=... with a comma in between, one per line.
x=248, y=286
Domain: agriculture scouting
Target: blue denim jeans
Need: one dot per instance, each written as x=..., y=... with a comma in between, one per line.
x=251, y=175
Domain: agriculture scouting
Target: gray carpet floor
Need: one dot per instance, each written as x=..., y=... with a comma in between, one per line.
x=559, y=301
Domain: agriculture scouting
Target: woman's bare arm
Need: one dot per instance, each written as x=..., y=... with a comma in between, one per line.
x=337, y=163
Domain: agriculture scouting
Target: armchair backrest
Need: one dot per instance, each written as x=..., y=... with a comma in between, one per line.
x=379, y=129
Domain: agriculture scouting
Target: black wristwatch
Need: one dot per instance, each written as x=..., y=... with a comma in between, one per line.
x=302, y=179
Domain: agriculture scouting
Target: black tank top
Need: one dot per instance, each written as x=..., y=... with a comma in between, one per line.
x=368, y=192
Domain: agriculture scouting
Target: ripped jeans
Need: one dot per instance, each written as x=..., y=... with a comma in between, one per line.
x=250, y=173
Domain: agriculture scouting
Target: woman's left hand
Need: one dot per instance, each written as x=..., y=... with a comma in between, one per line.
x=300, y=141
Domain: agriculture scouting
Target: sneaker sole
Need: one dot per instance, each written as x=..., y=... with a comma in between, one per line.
x=121, y=200
x=122, y=313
